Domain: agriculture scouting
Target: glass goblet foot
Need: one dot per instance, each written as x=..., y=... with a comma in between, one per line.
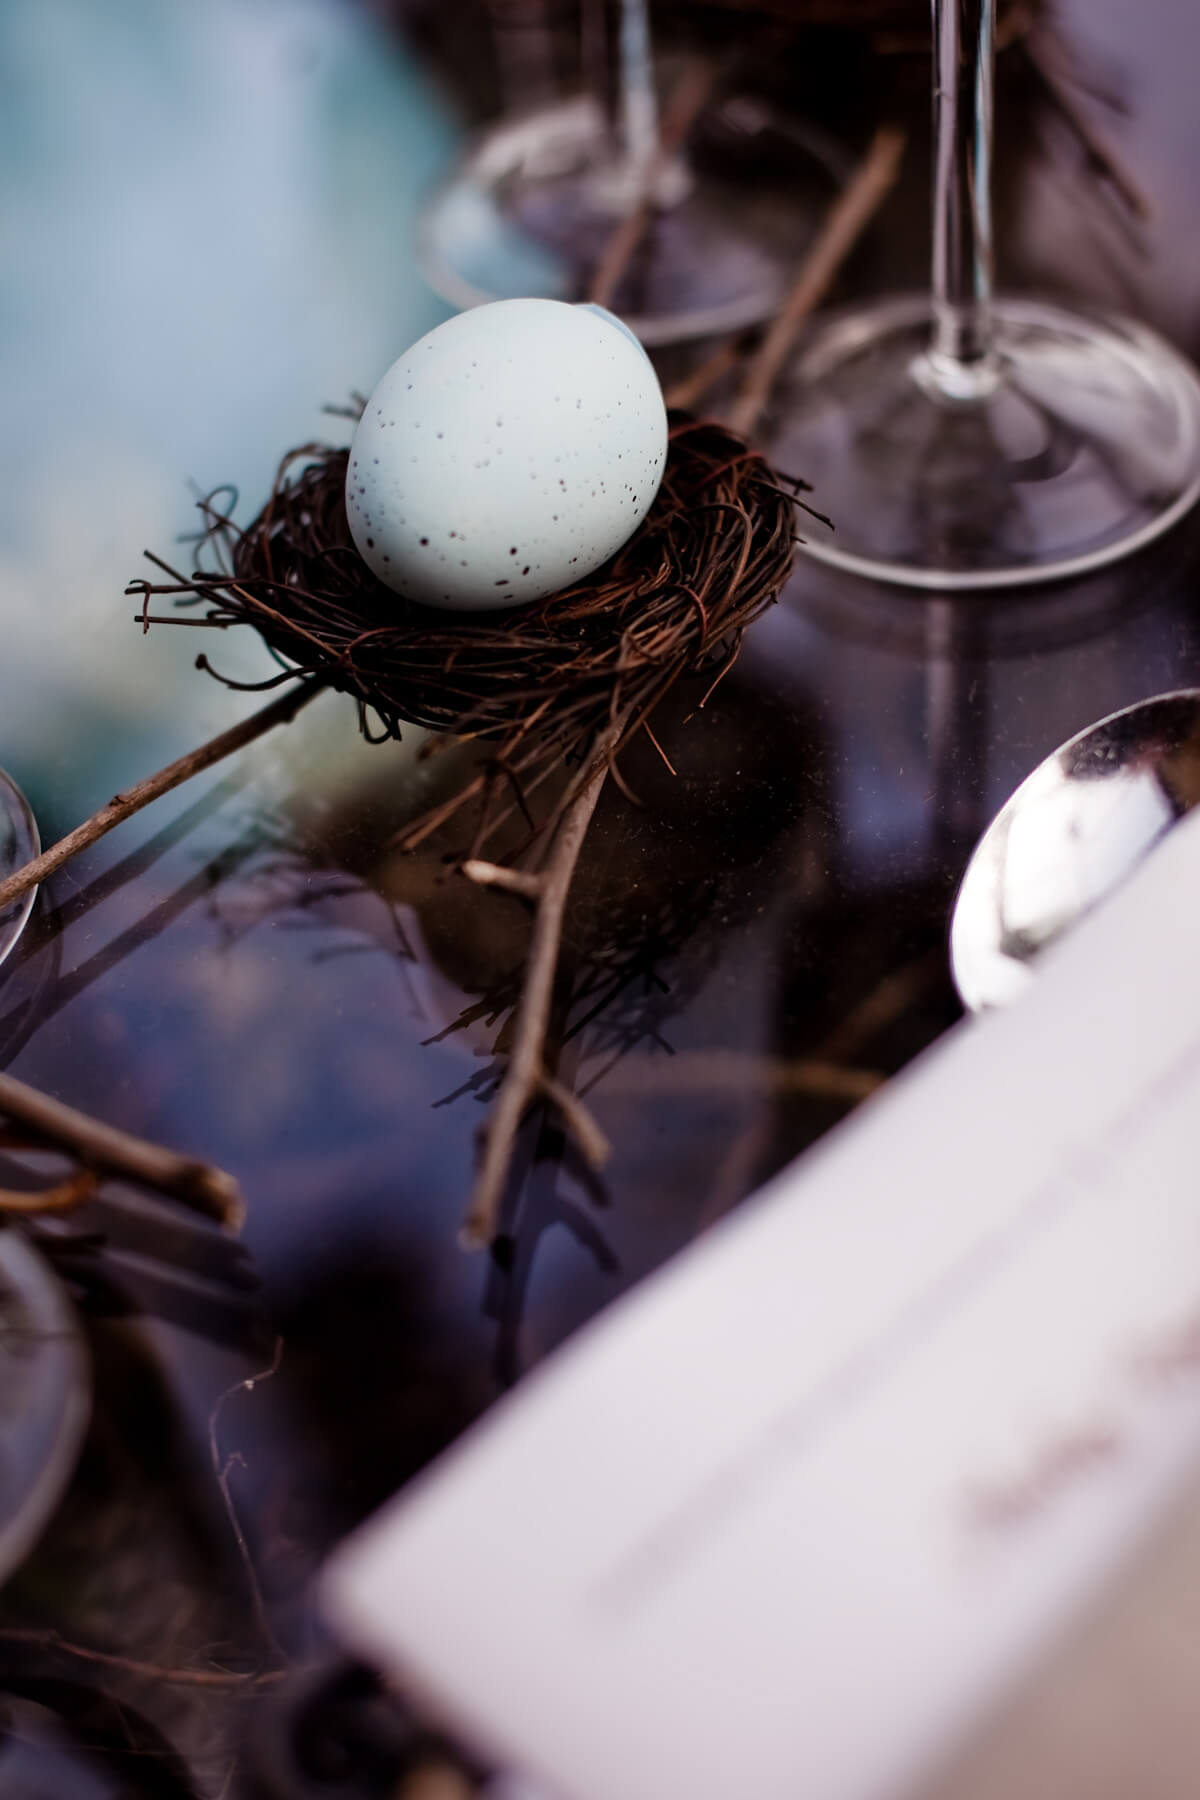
x=19, y=844
x=1074, y=441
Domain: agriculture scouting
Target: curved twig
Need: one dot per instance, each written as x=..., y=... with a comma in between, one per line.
x=105, y=1150
x=123, y=806
x=525, y=1075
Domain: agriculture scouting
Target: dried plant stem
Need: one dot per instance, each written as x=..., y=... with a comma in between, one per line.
x=852, y=212
x=692, y=389
x=65, y=1196
x=583, y=1128
x=682, y=109
x=525, y=1075
x=1051, y=63
x=123, y=806
x=105, y=1150
x=223, y=1467
x=740, y=1073
x=33, y=1639
x=893, y=996
x=513, y=881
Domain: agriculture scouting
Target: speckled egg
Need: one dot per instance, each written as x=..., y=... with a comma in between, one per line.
x=506, y=455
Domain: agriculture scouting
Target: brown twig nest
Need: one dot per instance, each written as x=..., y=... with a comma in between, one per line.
x=541, y=682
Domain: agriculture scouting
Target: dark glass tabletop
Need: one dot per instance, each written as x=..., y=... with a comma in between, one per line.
x=208, y=215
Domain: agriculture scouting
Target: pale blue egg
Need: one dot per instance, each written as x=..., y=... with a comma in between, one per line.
x=506, y=455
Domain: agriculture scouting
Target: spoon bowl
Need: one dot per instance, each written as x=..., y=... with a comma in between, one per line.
x=1074, y=830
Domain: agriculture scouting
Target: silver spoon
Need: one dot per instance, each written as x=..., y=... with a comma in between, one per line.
x=1072, y=832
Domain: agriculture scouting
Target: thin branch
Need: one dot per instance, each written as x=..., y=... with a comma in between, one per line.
x=894, y=996
x=221, y=1469
x=583, y=1128
x=736, y=1072
x=692, y=389
x=108, y=1151
x=1051, y=64
x=847, y=220
x=513, y=881
x=681, y=112
x=128, y=1665
x=123, y=806
x=65, y=1196
x=524, y=1075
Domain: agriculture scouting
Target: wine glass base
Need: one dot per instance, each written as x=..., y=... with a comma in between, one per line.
x=534, y=206
x=47, y=1396
x=19, y=844
x=1079, y=444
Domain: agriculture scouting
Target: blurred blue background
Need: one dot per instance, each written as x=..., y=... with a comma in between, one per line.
x=205, y=226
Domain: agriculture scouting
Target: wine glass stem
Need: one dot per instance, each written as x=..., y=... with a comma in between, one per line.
x=964, y=59
x=638, y=100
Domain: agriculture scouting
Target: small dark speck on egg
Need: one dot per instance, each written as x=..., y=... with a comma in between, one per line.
x=513, y=551
x=525, y=570
x=370, y=543
x=503, y=582
x=424, y=540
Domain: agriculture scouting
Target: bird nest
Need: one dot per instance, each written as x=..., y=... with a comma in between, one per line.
x=542, y=682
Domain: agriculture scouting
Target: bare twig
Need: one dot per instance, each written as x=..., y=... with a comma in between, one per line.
x=691, y=389
x=736, y=1072
x=894, y=995
x=123, y=806
x=1050, y=63
x=108, y=1151
x=680, y=114
x=584, y=1129
x=34, y=1639
x=844, y=225
x=65, y=1196
x=525, y=1074
x=222, y=1467
x=513, y=881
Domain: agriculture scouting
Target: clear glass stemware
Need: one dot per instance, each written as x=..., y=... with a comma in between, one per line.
x=959, y=440
x=536, y=202
x=18, y=845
